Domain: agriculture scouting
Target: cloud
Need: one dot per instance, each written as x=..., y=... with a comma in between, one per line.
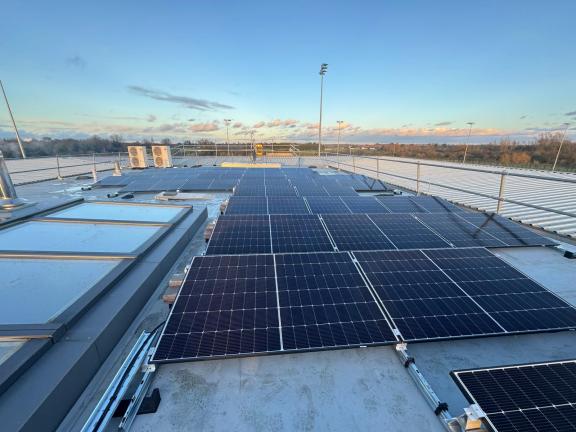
x=237, y=125
x=151, y=118
x=570, y=114
x=444, y=123
x=282, y=123
x=76, y=61
x=259, y=125
x=205, y=127
x=188, y=102
x=523, y=117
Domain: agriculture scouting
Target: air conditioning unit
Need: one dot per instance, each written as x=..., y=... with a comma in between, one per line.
x=162, y=156
x=138, y=157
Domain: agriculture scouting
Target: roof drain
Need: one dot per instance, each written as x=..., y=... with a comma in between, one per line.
x=440, y=408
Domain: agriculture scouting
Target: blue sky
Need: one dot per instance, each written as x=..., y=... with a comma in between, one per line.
x=409, y=71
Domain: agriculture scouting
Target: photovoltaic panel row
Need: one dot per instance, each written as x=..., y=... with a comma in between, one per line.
x=451, y=293
x=356, y=232
x=243, y=305
x=363, y=204
x=240, y=234
x=505, y=230
x=247, y=205
x=458, y=231
x=529, y=398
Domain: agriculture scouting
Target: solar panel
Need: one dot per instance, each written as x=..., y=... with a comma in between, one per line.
x=451, y=293
x=529, y=398
x=324, y=303
x=247, y=205
x=326, y=205
x=339, y=190
x=244, y=189
x=287, y=205
x=298, y=233
x=406, y=232
x=518, y=303
x=364, y=204
x=457, y=231
x=227, y=306
x=280, y=189
x=309, y=188
x=356, y=232
x=505, y=230
x=240, y=234
x=400, y=204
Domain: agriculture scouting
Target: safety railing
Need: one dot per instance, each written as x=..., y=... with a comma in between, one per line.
x=355, y=163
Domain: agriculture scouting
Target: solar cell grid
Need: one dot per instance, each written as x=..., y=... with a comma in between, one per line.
x=247, y=205
x=324, y=303
x=327, y=205
x=240, y=234
x=400, y=204
x=298, y=233
x=406, y=232
x=363, y=204
x=227, y=306
x=356, y=232
x=527, y=398
x=435, y=204
x=287, y=205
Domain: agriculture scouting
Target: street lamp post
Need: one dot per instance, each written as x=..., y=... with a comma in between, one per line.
x=470, y=124
x=227, y=123
x=323, y=69
x=338, y=146
x=567, y=125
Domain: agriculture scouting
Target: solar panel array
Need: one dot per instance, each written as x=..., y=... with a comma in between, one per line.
x=529, y=398
x=297, y=232
x=235, y=305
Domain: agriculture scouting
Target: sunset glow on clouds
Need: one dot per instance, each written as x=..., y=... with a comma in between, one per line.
x=260, y=69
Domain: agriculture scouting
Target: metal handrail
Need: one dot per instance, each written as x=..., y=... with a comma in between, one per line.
x=499, y=198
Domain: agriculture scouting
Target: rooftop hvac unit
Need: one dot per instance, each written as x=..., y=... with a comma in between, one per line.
x=162, y=156
x=137, y=156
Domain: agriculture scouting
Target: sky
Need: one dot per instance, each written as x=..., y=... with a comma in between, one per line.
x=413, y=71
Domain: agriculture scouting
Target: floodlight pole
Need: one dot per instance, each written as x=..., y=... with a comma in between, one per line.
x=323, y=69
x=338, y=146
x=467, y=141
x=13, y=122
x=560, y=147
x=227, y=123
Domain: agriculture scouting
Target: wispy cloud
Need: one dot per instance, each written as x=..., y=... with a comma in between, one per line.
x=188, y=102
x=205, y=127
x=444, y=123
x=76, y=61
x=259, y=125
x=151, y=118
x=524, y=117
x=570, y=114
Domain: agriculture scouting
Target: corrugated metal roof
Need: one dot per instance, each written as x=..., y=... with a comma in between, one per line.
x=556, y=195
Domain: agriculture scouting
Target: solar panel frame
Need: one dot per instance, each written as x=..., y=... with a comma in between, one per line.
x=527, y=397
x=364, y=204
x=400, y=204
x=327, y=205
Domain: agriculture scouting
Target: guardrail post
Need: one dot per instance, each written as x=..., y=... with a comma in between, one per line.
x=354, y=163
x=58, y=168
x=94, y=171
x=377, y=168
x=418, y=178
x=501, y=192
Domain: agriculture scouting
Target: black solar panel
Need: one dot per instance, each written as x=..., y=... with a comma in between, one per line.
x=287, y=205
x=505, y=230
x=450, y=293
x=406, y=232
x=309, y=188
x=240, y=234
x=280, y=190
x=227, y=306
x=436, y=205
x=356, y=232
x=457, y=231
x=244, y=189
x=400, y=204
x=515, y=301
x=528, y=398
x=298, y=233
x=247, y=205
x=324, y=303
x=364, y=204
x=327, y=205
